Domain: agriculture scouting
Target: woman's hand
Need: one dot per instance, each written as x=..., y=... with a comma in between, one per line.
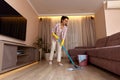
x=56, y=37
x=62, y=42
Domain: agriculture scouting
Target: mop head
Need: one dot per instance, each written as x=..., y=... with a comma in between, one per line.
x=76, y=67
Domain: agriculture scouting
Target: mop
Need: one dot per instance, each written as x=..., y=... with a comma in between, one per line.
x=76, y=67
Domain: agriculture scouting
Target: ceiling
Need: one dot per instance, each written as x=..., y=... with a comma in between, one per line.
x=58, y=7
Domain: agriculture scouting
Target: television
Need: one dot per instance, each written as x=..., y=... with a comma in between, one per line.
x=12, y=23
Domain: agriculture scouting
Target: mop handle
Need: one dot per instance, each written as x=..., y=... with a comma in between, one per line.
x=66, y=52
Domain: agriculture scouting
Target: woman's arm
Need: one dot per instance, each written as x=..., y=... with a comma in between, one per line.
x=64, y=36
x=54, y=31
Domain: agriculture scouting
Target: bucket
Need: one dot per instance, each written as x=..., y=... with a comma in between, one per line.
x=83, y=60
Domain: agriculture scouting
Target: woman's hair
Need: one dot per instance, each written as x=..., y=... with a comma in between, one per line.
x=63, y=18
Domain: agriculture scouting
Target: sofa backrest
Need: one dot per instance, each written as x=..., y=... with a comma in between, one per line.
x=113, y=40
x=101, y=42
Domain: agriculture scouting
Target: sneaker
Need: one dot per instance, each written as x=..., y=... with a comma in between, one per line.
x=50, y=62
x=60, y=64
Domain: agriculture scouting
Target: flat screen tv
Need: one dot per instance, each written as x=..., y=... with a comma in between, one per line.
x=12, y=24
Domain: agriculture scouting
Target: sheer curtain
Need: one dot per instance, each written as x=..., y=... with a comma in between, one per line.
x=80, y=31
x=88, y=32
x=45, y=31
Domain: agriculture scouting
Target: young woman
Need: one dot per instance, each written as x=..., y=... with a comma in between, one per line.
x=58, y=32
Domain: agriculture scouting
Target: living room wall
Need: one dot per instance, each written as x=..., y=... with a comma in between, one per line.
x=25, y=10
x=107, y=21
x=100, y=25
x=112, y=17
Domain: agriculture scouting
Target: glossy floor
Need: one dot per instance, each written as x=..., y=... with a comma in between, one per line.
x=43, y=71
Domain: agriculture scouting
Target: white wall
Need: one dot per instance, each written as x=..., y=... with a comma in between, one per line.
x=25, y=9
x=112, y=18
x=107, y=21
x=100, y=25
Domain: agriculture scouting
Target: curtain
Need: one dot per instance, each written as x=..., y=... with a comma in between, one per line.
x=88, y=32
x=45, y=32
x=80, y=31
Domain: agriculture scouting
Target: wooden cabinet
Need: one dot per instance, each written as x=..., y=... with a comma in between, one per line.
x=9, y=56
x=14, y=55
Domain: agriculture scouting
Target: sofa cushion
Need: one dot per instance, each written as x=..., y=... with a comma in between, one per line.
x=110, y=53
x=113, y=40
x=101, y=42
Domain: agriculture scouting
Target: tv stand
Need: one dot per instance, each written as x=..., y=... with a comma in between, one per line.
x=15, y=55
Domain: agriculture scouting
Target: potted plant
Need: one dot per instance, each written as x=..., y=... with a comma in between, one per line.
x=46, y=49
x=47, y=54
x=43, y=48
x=39, y=44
